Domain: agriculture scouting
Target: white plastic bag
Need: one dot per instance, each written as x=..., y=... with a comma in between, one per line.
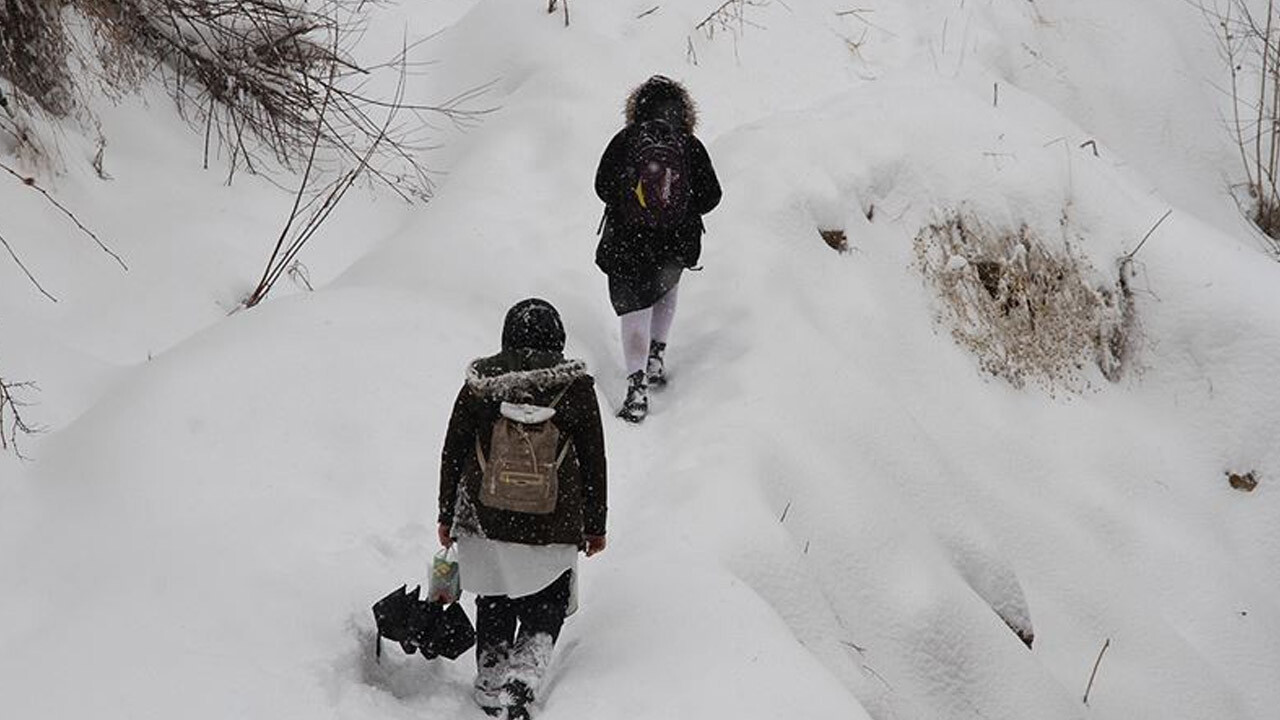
x=444, y=586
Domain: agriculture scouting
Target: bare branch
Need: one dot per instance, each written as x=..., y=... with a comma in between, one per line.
x=12, y=424
x=31, y=183
x=27, y=272
x=319, y=207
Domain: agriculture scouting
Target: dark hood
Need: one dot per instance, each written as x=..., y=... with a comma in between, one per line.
x=533, y=324
x=662, y=97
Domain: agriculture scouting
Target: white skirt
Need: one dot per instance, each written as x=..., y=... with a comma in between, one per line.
x=494, y=567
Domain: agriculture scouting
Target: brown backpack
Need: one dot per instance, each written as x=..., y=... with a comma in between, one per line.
x=522, y=472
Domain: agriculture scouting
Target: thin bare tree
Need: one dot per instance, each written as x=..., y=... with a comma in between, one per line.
x=1250, y=45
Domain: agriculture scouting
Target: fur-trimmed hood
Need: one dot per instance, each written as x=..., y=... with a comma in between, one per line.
x=488, y=379
x=658, y=91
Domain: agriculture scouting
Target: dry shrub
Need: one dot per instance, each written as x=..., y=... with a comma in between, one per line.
x=1028, y=312
x=241, y=68
x=1249, y=41
x=34, y=53
x=264, y=80
x=271, y=84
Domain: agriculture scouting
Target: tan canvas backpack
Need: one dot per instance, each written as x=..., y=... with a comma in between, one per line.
x=522, y=471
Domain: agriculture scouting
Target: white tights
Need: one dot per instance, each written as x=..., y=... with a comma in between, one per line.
x=641, y=326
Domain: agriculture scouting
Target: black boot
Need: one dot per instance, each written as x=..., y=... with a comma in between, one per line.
x=519, y=696
x=656, y=370
x=636, y=406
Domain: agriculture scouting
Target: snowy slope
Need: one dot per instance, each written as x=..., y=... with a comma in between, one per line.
x=831, y=508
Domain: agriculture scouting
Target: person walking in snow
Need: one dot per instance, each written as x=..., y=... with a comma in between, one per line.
x=522, y=491
x=656, y=181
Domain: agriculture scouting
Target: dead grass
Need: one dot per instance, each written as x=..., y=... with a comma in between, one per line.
x=1029, y=313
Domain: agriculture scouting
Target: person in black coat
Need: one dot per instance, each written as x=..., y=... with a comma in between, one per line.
x=644, y=261
x=522, y=565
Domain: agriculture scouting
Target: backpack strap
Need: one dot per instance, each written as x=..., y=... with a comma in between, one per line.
x=560, y=395
x=564, y=452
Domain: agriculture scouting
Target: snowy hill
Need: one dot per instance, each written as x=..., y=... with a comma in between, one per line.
x=834, y=511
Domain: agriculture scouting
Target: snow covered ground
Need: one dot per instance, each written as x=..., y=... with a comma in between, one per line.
x=832, y=511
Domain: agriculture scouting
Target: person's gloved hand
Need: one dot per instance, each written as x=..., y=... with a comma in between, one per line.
x=442, y=531
x=595, y=544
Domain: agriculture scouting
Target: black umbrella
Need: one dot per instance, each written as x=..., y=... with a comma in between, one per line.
x=422, y=625
x=453, y=633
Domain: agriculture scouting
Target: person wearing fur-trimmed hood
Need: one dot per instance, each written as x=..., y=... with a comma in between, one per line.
x=521, y=564
x=646, y=243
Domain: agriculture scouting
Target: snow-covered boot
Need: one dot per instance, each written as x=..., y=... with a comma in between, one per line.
x=526, y=669
x=636, y=406
x=492, y=666
x=656, y=370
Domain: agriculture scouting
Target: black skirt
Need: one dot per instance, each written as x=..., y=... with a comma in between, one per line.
x=631, y=294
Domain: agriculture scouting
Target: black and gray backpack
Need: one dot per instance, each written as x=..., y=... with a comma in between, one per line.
x=658, y=188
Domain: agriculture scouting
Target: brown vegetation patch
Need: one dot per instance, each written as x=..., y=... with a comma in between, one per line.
x=1027, y=311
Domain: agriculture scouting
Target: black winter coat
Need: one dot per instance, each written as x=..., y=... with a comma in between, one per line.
x=633, y=251
x=581, y=506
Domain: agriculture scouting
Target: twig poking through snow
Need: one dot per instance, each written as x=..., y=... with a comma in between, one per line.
x=1094, y=674
x=1129, y=256
x=853, y=646
x=859, y=15
x=551, y=8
